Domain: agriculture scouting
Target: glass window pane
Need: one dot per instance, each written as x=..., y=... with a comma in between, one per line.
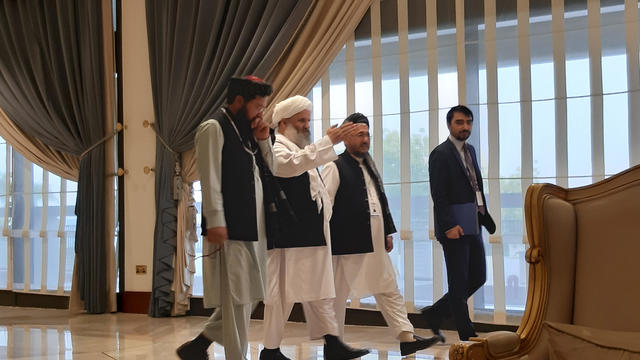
x=72, y=186
x=447, y=58
x=544, y=140
x=579, y=141
x=510, y=145
x=54, y=183
x=338, y=92
x=422, y=254
x=3, y=168
x=36, y=212
x=3, y=204
x=397, y=255
x=515, y=276
x=419, y=157
x=616, y=133
x=391, y=149
x=483, y=298
x=18, y=263
x=316, y=98
x=36, y=263
x=38, y=175
x=53, y=212
x=613, y=37
x=4, y=263
x=483, y=128
x=70, y=221
x=71, y=253
x=511, y=203
x=53, y=262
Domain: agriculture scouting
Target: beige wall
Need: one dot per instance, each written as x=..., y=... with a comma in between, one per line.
x=139, y=147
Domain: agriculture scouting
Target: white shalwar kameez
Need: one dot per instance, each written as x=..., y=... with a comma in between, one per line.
x=234, y=277
x=303, y=274
x=361, y=275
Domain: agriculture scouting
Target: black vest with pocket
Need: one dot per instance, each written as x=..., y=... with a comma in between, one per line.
x=238, y=185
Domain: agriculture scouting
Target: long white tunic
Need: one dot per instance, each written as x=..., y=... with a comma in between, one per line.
x=370, y=273
x=306, y=273
x=244, y=262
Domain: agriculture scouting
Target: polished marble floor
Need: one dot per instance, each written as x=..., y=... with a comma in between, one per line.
x=28, y=333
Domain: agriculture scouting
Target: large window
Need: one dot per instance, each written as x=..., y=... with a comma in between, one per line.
x=535, y=121
x=38, y=226
x=523, y=94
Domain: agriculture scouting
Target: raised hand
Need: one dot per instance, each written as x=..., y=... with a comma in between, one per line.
x=260, y=129
x=338, y=134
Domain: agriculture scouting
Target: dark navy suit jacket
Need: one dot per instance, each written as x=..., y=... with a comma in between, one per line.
x=450, y=185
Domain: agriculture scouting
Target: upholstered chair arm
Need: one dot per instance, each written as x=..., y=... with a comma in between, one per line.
x=495, y=345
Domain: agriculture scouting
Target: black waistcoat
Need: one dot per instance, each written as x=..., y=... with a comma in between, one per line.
x=351, y=219
x=238, y=185
x=307, y=228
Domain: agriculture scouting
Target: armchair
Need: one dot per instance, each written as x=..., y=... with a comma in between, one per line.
x=584, y=276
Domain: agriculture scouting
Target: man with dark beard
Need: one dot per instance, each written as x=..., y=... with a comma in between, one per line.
x=299, y=261
x=361, y=228
x=231, y=148
x=459, y=208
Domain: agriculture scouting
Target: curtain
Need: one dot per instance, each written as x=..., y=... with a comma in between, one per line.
x=318, y=42
x=194, y=49
x=187, y=236
x=59, y=163
x=52, y=86
x=110, y=153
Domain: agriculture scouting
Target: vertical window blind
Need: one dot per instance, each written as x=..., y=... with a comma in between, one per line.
x=554, y=88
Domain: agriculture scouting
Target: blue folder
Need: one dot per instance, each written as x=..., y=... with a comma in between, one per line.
x=466, y=215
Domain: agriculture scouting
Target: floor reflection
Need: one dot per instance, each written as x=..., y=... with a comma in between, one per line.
x=56, y=334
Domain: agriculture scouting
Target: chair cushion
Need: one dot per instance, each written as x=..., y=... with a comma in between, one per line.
x=568, y=341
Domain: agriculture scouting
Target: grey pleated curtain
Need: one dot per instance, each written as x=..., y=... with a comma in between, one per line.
x=52, y=87
x=194, y=49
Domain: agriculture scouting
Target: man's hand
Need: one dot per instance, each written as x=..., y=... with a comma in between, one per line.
x=217, y=235
x=260, y=129
x=389, y=244
x=455, y=232
x=337, y=134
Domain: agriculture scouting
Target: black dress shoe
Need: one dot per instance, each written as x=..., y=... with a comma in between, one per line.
x=432, y=322
x=421, y=343
x=192, y=351
x=342, y=351
x=272, y=354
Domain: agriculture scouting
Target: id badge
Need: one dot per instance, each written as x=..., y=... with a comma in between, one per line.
x=479, y=198
x=375, y=210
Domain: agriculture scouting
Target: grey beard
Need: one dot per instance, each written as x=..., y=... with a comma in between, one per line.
x=299, y=138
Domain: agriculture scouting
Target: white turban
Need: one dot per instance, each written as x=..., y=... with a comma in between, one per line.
x=289, y=107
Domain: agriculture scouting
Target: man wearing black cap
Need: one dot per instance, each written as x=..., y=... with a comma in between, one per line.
x=232, y=148
x=361, y=228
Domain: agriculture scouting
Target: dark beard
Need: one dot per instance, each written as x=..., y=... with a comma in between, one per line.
x=462, y=136
x=244, y=128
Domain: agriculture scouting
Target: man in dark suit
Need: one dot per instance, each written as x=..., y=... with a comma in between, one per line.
x=459, y=210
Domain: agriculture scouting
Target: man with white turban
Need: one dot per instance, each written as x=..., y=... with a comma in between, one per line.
x=299, y=265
